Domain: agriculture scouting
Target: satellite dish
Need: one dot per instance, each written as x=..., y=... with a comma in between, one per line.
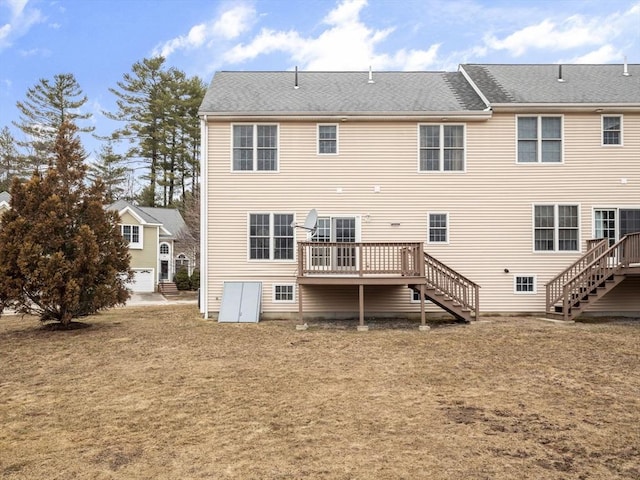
x=310, y=222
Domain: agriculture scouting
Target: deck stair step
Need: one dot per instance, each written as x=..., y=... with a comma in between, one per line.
x=450, y=290
x=592, y=276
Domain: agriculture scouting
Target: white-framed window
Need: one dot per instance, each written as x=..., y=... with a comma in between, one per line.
x=415, y=297
x=132, y=234
x=284, y=293
x=438, y=228
x=442, y=148
x=255, y=148
x=271, y=236
x=327, y=139
x=614, y=223
x=182, y=262
x=556, y=228
x=539, y=139
x=164, y=249
x=612, y=130
x=524, y=284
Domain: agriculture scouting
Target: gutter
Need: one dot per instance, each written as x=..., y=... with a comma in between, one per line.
x=467, y=116
x=567, y=107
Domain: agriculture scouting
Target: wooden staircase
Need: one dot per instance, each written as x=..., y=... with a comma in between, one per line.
x=450, y=290
x=592, y=276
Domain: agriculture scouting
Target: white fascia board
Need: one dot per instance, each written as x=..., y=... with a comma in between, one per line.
x=475, y=87
x=336, y=117
x=566, y=107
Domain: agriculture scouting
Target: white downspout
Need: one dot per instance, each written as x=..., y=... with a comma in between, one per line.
x=204, y=235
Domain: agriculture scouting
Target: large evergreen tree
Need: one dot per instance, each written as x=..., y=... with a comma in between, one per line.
x=12, y=164
x=62, y=254
x=49, y=104
x=158, y=107
x=114, y=174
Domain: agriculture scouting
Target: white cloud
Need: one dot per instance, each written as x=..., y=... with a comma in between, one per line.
x=229, y=25
x=605, y=54
x=346, y=44
x=21, y=19
x=575, y=31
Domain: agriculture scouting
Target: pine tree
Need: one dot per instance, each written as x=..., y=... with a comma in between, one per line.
x=159, y=107
x=12, y=164
x=62, y=254
x=48, y=105
x=110, y=169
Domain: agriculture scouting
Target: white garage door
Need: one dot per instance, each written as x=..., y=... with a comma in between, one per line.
x=143, y=280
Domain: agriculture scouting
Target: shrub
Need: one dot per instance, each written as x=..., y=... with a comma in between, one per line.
x=181, y=279
x=195, y=279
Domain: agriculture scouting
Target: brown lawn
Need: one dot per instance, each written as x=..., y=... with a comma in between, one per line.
x=158, y=393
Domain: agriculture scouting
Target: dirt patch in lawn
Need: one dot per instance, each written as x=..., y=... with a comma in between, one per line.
x=157, y=392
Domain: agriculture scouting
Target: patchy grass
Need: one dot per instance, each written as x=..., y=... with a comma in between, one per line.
x=160, y=393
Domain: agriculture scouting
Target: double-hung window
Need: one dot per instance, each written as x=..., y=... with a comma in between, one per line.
x=556, y=228
x=327, y=139
x=438, y=228
x=539, y=139
x=132, y=234
x=271, y=236
x=255, y=148
x=442, y=148
x=612, y=130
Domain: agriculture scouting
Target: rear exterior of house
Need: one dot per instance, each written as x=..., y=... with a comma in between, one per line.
x=493, y=179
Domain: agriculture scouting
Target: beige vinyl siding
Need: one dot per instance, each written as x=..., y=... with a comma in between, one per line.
x=490, y=206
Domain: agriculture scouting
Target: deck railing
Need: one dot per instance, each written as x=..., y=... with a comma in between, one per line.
x=602, y=264
x=555, y=287
x=361, y=259
x=452, y=284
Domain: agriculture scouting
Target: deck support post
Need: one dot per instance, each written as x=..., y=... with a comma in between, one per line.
x=301, y=325
x=361, y=326
x=423, y=319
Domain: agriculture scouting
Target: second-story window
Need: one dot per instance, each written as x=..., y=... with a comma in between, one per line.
x=441, y=148
x=327, y=139
x=611, y=130
x=255, y=148
x=540, y=139
x=132, y=234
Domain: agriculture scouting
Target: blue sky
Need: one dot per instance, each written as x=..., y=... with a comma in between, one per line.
x=99, y=40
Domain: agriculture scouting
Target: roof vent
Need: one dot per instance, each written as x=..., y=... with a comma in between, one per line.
x=560, y=79
x=370, y=76
x=296, y=86
x=625, y=71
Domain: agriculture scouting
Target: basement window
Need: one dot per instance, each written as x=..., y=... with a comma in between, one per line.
x=524, y=284
x=283, y=293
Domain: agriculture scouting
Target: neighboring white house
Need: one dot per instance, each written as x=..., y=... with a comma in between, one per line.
x=480, y=188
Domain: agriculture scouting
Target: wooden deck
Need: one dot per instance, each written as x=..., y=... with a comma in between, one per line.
x=386, y=263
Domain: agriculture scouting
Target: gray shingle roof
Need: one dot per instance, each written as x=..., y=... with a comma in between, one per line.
x=339, y=93
x=592, y=84
x=170, y=218
x=5, y=197
x=120, y=205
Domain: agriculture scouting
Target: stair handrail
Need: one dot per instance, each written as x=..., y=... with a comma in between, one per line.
x=625, y=252
x=555, y=286
x=452, y=284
